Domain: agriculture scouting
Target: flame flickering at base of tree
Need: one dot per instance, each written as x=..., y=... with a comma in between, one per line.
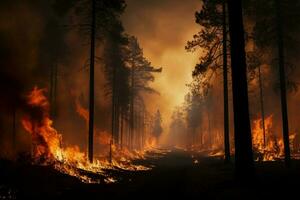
x=47, y=145
x=273, y=147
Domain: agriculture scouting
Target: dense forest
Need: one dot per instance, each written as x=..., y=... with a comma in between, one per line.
x=114, y=97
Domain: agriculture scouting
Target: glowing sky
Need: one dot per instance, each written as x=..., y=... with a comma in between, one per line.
x=163, y=27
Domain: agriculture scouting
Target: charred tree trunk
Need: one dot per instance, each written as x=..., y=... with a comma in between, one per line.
x=112, y=123
x=281, y=58
x=138, y=132
x=122, y=129
x=244, y=165
x=113, y=104
x=53, y=89
x=146, y=127
x=136, y=128
x=51, y=86
x=132, y=108
x=209, y=130
x=117, y=120
x=143, y=128
x=113, y=111
x=14, y=135
x=128, y=134
x=225, y=87
x=92, y=77
x=262, y=104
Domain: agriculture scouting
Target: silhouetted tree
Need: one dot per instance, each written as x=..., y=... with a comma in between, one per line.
x=213, y=39
x=92, y=78
x=254, y=65
x=96, y=19
x=225, y=84
x=281, y=64
x=140, y=76
x=276, y=26
x=242, y=130
x=117, y=75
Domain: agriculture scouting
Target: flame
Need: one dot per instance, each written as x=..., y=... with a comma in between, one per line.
x=273, y=148
x=84, y=113
x=151, y=142
x=47, y=148
x=45, y=138
x=104, y=138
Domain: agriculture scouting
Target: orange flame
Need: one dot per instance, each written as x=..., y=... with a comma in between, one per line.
x=273, y=148
x=46, y=142
x=84, y=113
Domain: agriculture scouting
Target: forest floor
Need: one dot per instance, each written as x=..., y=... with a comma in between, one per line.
x=176, y=173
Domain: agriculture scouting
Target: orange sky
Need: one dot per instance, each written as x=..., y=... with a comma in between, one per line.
x=163, y=27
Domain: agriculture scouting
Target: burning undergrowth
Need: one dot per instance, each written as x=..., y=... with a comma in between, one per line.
x=267, y=145
x=48, y=149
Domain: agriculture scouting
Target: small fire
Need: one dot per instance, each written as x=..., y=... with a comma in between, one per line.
x=218, y=153
x=84, y=113
x=47, y=148
x=151, y=142
x=46, y=141
x=272, y=147
x=104, y=138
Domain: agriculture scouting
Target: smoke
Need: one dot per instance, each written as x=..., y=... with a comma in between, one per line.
x=18, y=54
x=35, y=36
x=162, y=28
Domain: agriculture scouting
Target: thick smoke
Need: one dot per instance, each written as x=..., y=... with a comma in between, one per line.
x=35, y=36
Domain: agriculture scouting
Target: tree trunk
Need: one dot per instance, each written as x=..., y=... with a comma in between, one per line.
x=122, y=129
x=112, y=124
x=138, y=127
x=281, y=63
x=225, y=87
x=132, y=108
x=51, y=86
x=262, y=104
x=55, y=91
x=128, y=134
x=244, y=166
x=143, y=127
x=92, y=77
x=209, y=130
x=113, y=112
x=14, y=135
x=117, y=120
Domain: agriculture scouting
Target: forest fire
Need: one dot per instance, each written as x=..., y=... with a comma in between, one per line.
x=198, y=99
x=46, y=141
x=269, y=147
x=47, y=144
x=104, y=138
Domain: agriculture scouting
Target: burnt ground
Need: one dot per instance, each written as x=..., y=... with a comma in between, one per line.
x=174, y=175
